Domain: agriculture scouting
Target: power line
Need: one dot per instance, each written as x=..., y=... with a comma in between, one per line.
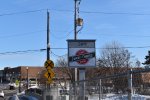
x=41, y=50
x=113, y=13
x=58, y=55
x=88, y=12
x=22, y=52
x=132, y=47
x=101, y=12
x=16, y=13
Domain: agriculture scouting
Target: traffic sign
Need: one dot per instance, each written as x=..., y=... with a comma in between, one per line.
x=49, y=64
x=49, y=74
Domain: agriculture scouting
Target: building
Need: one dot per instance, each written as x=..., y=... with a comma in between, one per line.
x=21, y=73
x=35, y=74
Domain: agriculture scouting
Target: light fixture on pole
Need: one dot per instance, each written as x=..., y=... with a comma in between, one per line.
x=27, y=78
x=19, y=82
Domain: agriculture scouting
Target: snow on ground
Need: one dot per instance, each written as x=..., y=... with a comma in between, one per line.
x=119, y=97
x=125, y=97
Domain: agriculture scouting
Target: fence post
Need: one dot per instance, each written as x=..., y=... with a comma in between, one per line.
x=100, y=91
x=129, y=84
x=82, y=84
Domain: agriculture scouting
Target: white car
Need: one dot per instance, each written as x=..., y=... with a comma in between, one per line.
x=1, y=93
x=12, y=86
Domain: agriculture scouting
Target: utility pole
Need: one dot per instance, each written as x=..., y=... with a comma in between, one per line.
x=48, y=44
x=75, y=38
x=75, y=18
x=78, y=22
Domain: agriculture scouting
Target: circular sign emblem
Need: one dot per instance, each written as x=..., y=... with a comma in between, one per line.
x=82, y=52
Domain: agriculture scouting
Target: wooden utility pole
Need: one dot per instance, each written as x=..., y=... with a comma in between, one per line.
x=75, y=17
x=75, y=38
x=48, y=33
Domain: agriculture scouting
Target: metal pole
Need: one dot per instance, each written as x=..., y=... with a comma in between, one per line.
x=100, y=89
x=20, y=83
x=130, y=84
x=27, y=79
x=82, y=84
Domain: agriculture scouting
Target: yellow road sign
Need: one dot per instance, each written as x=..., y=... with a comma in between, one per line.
x=49, y=74
x=49, y=64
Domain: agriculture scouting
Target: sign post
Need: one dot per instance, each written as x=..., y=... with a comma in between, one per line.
x=81, y=54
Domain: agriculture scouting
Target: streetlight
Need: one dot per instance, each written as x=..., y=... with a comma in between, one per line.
x=27, y=78
x=19, y=82
x=13, y=76
x=37, y=79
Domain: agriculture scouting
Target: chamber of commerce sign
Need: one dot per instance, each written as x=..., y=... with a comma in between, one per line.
x=81, y=53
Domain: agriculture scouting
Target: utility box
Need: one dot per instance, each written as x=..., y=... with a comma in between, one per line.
x=48, y=97
x=50, y=94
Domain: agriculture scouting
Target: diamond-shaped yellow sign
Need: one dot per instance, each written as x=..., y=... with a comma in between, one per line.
x=49, y=74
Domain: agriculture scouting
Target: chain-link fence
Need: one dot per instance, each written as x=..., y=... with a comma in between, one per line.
x=129, y=85
x=124, y=85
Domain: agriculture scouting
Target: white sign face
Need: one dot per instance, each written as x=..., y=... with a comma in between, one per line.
x=81, y=53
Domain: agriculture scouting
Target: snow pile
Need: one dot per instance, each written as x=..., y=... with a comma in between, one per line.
x=125, y=97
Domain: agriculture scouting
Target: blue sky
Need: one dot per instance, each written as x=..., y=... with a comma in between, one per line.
x=27, y=31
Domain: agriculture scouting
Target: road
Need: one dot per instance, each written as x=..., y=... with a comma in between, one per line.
x=7, y=93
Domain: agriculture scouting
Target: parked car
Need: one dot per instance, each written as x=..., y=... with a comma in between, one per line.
x=1, y=93
x=12, y=86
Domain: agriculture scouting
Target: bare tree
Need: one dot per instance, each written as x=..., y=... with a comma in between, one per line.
x=137, y=63
x=117, y=59
x=62, y=62
x=114, y=55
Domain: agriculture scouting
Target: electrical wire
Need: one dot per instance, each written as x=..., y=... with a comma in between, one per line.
x=60, y=56
x=82, y=11
x=41, y=50
x=132, y=47
x=24, y=12
x=22, y=52
x=101, y=12
x=113, y=13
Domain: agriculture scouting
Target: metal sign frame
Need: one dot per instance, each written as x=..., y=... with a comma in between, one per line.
x=85, y=53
